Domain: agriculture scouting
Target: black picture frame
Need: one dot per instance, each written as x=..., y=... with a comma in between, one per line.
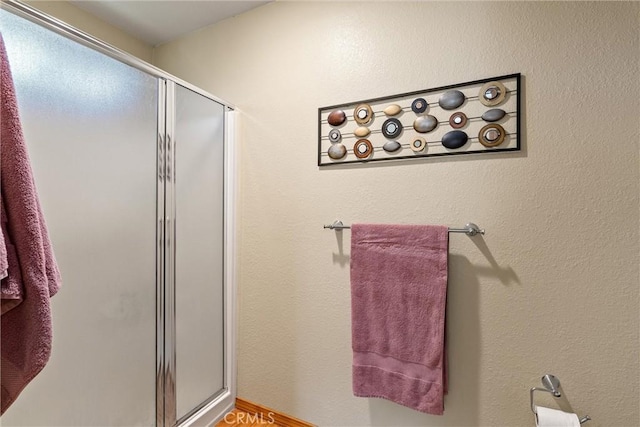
x=325, y=161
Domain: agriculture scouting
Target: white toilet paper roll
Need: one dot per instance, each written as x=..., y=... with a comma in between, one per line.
x=547, y=417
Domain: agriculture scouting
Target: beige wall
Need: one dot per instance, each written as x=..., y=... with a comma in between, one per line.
x=88, y=23
x=551, y=288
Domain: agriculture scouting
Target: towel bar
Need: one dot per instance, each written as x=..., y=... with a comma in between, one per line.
x=469, y=229
x=552, y=385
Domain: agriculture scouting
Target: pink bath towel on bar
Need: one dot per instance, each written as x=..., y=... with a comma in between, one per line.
x=33, y=275
x=398, y=299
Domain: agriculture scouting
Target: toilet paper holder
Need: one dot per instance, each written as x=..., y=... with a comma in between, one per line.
x=552, y=385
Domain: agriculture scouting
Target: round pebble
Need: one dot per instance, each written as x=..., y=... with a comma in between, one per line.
x=419, y=105
x=391, y=128
x=492, y=135
x=492, y=93
x=362, y=148
x=363, y=114
x=458, y=120
x=335, y=135
x=418, y=144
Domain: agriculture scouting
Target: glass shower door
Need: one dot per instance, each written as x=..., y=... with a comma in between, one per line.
x=90, y=124
x=199, y=236
x=130, y=169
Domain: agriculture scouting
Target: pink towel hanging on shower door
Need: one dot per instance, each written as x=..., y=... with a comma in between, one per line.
x=33, y=275
x=398, y=299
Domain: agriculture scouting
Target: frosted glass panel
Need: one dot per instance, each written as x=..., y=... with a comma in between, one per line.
x=199, y=250
x=90, y=123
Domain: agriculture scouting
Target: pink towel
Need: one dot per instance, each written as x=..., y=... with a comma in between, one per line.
x=4, y=263
x=11, y=290
x=33, y=275
x=398, y=299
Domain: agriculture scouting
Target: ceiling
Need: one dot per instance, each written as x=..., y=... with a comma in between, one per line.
x=157, y=22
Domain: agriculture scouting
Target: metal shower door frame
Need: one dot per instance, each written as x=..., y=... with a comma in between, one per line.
x=215, y=406
x=166, y=397
x=165, y=400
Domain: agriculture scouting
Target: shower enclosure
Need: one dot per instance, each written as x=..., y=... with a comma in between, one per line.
x=132, y=167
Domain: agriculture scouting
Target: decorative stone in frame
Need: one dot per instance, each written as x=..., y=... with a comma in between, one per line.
x=393, y=110
x=458, y=120
x=492, y=93
x=418, y=144
x=363, y=114
x=391, y=128
x=493, y=115
x=425, y=124
x=363, y=148
x=455, y=139
x=335, y=135
x=337, y=151
x=491, y=135
x=336, y=118
x=391, y=146
x=419, y=105
x=451, y=99
x=362, y=131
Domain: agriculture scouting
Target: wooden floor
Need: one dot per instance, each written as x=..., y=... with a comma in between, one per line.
x=250, y=414
x=238, y=418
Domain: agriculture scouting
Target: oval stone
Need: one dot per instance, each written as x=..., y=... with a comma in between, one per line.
x=362, y=131
x=493, y=115
x=336, y=118
x=425, y=124
x=337, y=151
x=454, y=139
x=451, y=100
x=391, y=146
x=392, y=110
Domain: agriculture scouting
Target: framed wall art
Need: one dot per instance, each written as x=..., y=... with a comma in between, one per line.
x=466, y=118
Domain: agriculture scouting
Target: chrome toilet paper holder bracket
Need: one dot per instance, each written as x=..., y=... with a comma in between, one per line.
x=552, y=385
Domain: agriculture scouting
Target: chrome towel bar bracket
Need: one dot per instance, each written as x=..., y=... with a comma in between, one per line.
x=337, y=225
x=469, y=229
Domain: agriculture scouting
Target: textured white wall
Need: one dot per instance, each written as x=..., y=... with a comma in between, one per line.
x=90, y=24
x=551, y=288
